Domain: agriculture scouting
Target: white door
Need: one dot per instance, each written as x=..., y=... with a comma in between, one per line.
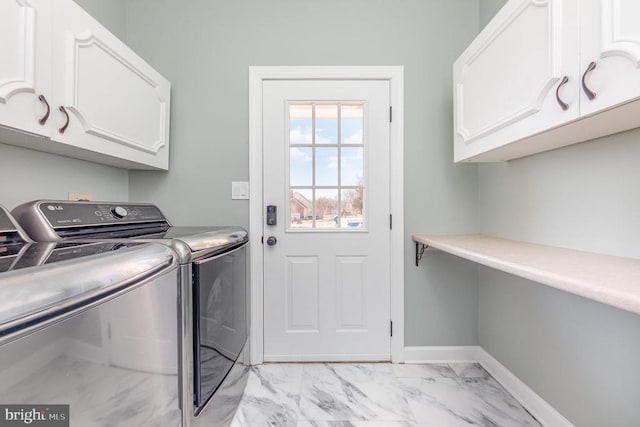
x=25, y=65
x=326, y=169
x=117, y=104
x=510, y=82
x=610, y=40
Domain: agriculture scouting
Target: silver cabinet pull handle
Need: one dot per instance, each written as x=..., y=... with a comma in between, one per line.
x=44, y=118
x=563, y=104
x=590, y=94
x=66, y=125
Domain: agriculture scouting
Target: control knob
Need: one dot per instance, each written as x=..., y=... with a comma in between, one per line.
x=119, y=212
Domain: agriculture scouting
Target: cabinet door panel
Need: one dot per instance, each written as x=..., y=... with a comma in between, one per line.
x=505, y=82
x=118, y=105
x=25, y=71
x=611, y=38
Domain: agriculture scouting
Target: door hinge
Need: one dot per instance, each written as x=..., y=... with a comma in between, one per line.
x=390, y=221
x=391, y=327
x=390, y=114
x=262, y=240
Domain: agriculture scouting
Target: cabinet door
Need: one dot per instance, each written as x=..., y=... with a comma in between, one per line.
x=505, y=82
x=25, y=64
x=117, y=104
x=611, y=39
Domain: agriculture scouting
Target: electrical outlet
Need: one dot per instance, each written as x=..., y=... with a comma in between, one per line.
x=80, y=196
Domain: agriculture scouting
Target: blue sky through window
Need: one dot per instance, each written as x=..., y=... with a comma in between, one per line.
x=301, y=164
x=326, y=166
x=351, y=131
x=326, y=131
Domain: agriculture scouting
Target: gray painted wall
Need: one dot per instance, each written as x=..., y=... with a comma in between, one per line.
x=205, y=48
x=579, y=355
x=488, y=9
x=30, y=175
x=110, y=13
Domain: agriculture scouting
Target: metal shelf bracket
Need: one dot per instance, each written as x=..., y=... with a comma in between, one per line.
x=420, y=248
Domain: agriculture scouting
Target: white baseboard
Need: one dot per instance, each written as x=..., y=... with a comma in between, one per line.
x=536, y=405
x=327, y=358
x=441, y=354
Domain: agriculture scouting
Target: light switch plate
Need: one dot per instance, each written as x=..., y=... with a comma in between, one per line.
x=80, y=196
x=239, y=190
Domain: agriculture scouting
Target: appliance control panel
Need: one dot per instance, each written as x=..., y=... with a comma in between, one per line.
x=62, y=214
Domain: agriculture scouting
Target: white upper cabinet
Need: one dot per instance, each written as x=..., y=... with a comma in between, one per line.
x=117, y=104
x=535, y=77
x=610, y=40
x=106, y=104
x=506, y=80
x=25, y=65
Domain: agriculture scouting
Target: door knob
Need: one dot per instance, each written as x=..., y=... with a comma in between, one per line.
x=271, y=241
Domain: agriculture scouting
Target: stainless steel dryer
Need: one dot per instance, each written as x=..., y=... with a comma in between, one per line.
x=213, y=277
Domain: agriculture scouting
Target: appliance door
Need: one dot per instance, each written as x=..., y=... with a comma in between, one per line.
x=220, y=319
x=107, y=374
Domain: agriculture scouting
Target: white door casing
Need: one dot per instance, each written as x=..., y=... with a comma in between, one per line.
x=307, y=263
x=611, y=38
x=327, y=293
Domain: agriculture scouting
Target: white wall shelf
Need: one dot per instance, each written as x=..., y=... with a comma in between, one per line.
x=610, y=280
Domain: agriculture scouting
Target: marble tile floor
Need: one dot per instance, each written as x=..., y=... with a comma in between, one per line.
x=376, y=395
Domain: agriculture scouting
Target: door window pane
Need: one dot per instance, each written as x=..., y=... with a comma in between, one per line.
x=301, y=166
x=327, y=208
x=326, y=124
x=352, y=204
x=327, y=166
x=352, y=124
x=301, y=208
x=351, y=166
x=300, y=124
